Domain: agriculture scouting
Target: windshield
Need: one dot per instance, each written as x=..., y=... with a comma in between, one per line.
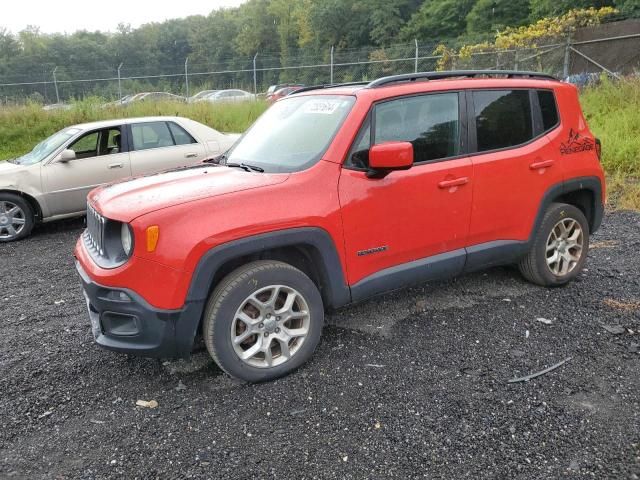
x=47, y=147
x=293, y=134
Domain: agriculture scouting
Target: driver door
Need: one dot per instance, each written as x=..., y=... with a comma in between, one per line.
x=101, y=157
x=413, y=223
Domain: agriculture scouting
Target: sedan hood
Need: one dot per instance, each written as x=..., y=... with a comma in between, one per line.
x=7, y=167
x=129, y=199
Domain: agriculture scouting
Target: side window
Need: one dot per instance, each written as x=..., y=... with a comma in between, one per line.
x=430, y=122
x=180, y=135
x=86, y=146
x=548, y=108
x=503, y=118
x=111, y=142
x=151, y=135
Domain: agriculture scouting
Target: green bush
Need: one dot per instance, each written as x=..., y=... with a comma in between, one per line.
x=612, y=110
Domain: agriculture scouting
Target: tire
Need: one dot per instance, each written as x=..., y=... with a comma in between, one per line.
x=556, y=237
x=249, y=306
x=16, y=217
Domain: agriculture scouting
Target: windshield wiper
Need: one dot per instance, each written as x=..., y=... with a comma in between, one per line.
x=216, y=160
x=246, y=167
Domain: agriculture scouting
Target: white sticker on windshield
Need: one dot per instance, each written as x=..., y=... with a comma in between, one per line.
x=322, y=106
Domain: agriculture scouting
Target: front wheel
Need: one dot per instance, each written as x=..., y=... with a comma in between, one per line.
x=16, y=217
x=263, y=321
x=559, y=248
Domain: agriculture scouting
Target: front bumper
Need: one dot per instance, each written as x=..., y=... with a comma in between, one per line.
x=121, y=320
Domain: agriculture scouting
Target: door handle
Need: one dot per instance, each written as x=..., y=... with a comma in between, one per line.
x=190, y=155
x=116, y=165
x=456, y=182
x=539, y=165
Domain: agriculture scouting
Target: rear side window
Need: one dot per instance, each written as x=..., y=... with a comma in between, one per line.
x=429, y=122
x=503, y=118
x=151, y=135
x=180, y=135
x=548, y=109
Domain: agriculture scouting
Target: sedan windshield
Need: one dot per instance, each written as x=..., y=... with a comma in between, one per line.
x=47, y=147
x=293, y=134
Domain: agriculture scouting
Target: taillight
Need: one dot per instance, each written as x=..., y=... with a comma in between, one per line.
x=599, y=149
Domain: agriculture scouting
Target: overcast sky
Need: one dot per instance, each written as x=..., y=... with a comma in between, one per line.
x=71, y=15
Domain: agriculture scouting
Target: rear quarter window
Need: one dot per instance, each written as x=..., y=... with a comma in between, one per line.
x=548, y=109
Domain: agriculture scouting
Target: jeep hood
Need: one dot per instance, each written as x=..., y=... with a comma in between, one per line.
x=126, y=200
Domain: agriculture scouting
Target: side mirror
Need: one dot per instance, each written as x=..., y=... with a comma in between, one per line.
x=389, y=156
x=66, y=156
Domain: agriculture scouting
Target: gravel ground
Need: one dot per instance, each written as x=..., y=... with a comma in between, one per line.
x=408, y=385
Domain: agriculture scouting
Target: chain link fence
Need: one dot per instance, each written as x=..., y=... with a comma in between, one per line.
x=584, y=54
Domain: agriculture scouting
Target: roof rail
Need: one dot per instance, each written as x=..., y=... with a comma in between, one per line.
x=328, y=85
x=412, y=77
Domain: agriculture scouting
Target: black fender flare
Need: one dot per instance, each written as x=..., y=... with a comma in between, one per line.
x=326, y=259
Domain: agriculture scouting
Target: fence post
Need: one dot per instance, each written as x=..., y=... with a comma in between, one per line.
x=331, y=74
x=255, y=75
x=186, y=75
x=416, y=40
x=567, y=58
x=515, y=61
x=55, y=84
x=119, y=83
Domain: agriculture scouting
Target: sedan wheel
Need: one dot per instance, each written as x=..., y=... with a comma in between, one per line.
x=13, y=220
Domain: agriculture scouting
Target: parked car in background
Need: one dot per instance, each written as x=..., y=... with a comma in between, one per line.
x=56, y=106
x=274, y=88
x=157, y=97
x=198, y=97
x=224, y=96
x=283, y=92
x=52, y=181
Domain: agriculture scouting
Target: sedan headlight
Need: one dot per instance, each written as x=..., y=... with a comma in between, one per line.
x=126, y=238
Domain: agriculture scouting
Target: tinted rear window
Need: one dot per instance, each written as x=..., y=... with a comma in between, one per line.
x=503, y=118
x=548, y=108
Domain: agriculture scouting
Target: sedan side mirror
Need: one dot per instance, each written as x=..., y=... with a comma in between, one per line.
x=66, y=156
x=389, y=156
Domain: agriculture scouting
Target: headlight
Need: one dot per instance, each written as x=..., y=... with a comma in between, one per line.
x=126, y=238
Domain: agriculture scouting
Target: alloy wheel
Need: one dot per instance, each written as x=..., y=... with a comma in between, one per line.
x=12, y=220
x=564, y=247
x=270, y=326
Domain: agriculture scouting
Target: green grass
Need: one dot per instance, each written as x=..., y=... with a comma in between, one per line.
x=612, y=110
x=21, y=128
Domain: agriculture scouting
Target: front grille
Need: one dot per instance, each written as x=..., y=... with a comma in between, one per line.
x=94, y=234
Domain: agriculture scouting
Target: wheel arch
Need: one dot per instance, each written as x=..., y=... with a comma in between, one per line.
x=585, y=193
x=310, y=249
x=33, y=203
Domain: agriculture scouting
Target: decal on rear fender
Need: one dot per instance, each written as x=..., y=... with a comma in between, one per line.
x=576, y=144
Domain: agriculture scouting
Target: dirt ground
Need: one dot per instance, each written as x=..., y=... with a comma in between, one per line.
x=408, y=385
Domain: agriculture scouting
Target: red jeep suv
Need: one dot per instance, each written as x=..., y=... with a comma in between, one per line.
x=335, y=194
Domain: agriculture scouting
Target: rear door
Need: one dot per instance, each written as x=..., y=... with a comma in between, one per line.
x=414, y=214
x=514, y=163
x=162, y=145
x=101, y=157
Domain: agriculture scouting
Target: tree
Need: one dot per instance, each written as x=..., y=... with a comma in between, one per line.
x=489, y=16
x=553, y=8
x=629, y=8
x=438, y=19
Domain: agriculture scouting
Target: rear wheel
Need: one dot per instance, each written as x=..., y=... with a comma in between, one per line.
x=560, y=247
x=263, y=321
x=16, y=217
